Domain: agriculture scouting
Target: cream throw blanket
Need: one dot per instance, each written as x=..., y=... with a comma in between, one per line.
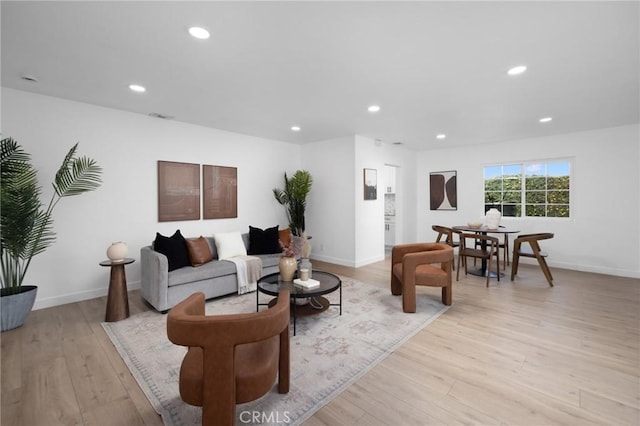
x=248, y=271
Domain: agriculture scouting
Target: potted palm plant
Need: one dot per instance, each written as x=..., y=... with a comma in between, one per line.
x=26, y=227
x=294, y=198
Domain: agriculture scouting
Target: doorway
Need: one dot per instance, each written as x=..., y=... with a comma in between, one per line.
x=392, y=215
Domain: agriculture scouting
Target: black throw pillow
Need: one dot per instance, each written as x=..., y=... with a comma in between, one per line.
x=264, y=241
x=175, y=248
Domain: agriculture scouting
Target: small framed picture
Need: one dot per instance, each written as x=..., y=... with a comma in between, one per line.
x=370, y=184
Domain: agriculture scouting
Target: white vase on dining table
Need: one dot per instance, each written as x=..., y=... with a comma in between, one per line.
x=492, y=218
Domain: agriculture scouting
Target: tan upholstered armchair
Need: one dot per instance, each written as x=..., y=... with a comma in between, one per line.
x=413, y=264
x=231, y=358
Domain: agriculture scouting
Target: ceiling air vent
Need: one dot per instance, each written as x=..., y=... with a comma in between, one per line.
x=162, y=116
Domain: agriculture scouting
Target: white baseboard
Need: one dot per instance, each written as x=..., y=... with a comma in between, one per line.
x=48, y=302
x=334, y=260
x=135, y=285
x=369, y=261
x=350, y=263
x=594, y=269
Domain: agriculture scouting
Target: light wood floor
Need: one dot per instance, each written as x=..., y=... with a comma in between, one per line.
x=517, y=353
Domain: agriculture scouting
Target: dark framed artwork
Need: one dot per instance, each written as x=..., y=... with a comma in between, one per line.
x=443, y=188
x=178, y=191
x=220, y=192
x=370, y=184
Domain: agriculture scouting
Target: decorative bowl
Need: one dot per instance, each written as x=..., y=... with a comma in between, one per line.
x=474, y=224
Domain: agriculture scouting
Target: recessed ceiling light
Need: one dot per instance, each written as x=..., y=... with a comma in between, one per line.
x=137, y=88
x=441, y=136
x=374, y=108
x=517, y=70
x=295, y=128
x=546, y=119
x=199, y=32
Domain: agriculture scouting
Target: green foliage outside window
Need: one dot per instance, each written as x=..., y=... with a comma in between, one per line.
x=546, y=189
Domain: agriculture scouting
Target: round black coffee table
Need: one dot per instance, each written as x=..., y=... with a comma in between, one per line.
x=271, y=285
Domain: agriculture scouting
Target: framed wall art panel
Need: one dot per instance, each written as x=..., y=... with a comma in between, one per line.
x=370, y=184
x=443, y=189
x=178, y=191
x=220, y=192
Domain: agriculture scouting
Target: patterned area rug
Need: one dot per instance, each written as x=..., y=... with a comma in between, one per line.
x=328, y=353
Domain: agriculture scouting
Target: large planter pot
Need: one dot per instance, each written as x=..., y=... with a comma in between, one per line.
x=14, y=308
x=287, y=266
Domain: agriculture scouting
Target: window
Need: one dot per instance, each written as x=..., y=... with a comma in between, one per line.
x=540, y=189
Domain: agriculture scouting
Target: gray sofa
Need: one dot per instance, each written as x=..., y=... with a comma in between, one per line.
x=164, y=289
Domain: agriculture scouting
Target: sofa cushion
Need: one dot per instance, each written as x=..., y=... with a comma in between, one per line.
x=269, y=260
x=199, y=251
x=208, y=271
x=174, y=247
x=229, y=244
x=212, y=246
x=263, y=241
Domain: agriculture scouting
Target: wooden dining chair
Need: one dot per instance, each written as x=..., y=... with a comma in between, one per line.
x=445, y=235
x=504, y=245
x=485, y=251
x=533, y=251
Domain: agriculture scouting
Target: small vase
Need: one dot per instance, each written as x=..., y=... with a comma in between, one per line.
x=305, y=263
x=117, y=251
x=287, y=266
x=493, y=218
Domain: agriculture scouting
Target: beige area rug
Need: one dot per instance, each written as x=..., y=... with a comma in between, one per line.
x=328, y=353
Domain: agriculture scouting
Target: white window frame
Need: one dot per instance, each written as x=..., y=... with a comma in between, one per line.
x=523, y=170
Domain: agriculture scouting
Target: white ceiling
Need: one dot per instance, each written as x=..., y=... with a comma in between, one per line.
x=433, y=67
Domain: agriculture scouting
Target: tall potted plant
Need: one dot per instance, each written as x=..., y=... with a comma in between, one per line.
x=26, y=227
x=294, y=198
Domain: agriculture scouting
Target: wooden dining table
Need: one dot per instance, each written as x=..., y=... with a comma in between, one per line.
x=482, y=272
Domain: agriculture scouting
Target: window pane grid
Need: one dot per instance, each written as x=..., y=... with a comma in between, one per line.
x=532, y=189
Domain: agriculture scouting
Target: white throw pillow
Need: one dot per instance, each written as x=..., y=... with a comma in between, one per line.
x=229, y=244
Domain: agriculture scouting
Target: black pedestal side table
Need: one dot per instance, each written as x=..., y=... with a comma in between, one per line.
x=117, y=299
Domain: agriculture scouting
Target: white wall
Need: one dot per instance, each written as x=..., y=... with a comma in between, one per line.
x=330, y=217
x=346, y=229
x=369, y=223
x=603, y=234
x=128, y=147
x=406, y=191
